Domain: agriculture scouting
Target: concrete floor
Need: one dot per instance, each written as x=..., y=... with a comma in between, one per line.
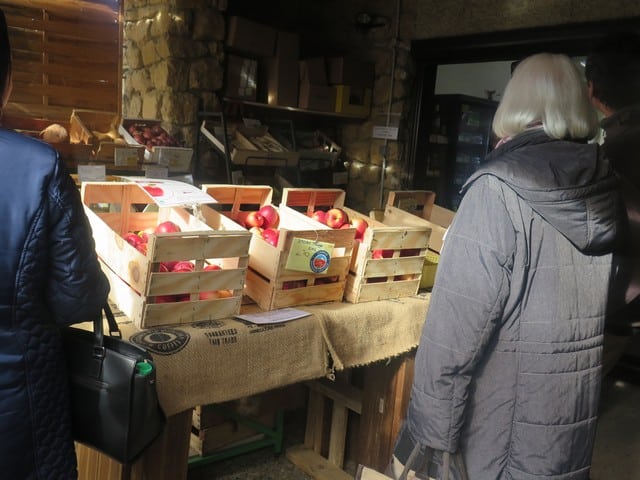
x=615, y=455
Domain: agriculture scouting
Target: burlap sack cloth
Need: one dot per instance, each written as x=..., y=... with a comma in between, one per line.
x=220, y=360
x=359, y=334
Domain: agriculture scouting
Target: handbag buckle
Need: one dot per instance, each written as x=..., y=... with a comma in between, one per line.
x=98, y=351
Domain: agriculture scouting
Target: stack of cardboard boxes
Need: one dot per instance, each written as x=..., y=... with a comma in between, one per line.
x=264, y=65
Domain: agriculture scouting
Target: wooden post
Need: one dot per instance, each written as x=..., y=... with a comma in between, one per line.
x=387, y=387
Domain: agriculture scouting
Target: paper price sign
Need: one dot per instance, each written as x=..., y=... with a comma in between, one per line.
x=309, y=255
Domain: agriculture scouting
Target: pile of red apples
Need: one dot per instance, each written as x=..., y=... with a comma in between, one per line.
x=139, y=241
x=337, y=218
x=263, y=223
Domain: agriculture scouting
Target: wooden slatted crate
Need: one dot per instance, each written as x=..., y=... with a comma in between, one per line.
x=269, y=282
x=421, y=203
x=147, y=295
x=388, y=261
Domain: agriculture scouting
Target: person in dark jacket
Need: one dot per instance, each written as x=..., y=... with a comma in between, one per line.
x=613, y=74
x=507, y=372
x=49, y=277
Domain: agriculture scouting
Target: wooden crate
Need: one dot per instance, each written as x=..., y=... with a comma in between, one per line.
x=421, y=203
x=401, y=239
x=138, y=286
x=269, y=283
x=100, y=130
x=72, y=154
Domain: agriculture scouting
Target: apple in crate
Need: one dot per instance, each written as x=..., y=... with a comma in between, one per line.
x=254, y=219
x=271, y=236
x=382, y=254
x=167, y=227
x=320, y=216
x=360, y=224
x=183, y=266
x=336, y=217
x=133, y=239
x=270, y=215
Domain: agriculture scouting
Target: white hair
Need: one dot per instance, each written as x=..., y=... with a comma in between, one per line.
x=548, y=89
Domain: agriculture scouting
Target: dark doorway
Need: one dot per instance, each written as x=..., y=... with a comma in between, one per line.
x=573, y=40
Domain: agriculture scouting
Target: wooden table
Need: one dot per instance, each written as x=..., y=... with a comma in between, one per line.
x=353, y=335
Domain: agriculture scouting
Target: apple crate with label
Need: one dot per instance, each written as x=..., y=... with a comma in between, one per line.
x=149, y=287
x=270, y=283
x=389, y=253
x=159, y=146
x=421, y=203
x=100, y=130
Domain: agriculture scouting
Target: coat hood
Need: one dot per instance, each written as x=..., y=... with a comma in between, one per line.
x=567, y=183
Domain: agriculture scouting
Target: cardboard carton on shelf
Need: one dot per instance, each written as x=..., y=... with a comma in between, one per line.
x=349, y=70
x=251, y=38
x=388, y=261
x=142, y=285
x=271, y=281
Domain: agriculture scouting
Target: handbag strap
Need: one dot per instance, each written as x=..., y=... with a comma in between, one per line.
x=98, y=331
x=447, y=459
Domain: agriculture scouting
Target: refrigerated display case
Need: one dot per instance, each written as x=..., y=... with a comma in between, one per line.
x=459, y=138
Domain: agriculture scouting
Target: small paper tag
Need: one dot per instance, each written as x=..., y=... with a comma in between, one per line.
x=92, y=173
x=309, y=255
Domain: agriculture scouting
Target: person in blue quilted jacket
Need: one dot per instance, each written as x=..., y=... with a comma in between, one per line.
x=49, y=277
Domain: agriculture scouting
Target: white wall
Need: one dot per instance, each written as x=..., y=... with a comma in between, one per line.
x=473, y=79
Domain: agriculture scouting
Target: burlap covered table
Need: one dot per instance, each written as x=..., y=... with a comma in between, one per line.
x=220, y=360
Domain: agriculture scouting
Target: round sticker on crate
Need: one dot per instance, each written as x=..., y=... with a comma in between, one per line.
x=319, y=261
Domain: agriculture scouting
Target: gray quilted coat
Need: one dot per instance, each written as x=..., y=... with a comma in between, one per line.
x=508, y=367
x=49, y=276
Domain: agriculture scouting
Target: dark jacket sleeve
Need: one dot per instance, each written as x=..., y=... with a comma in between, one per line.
x=77, y=289
x=465, y=311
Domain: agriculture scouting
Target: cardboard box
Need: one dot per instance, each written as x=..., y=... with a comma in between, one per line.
x=317, y=97
x=352, y=100
x=148, y=294
x=350, y=71
x=241, y=80
x=282, y=71
x=249, y=37
x=269, y=282
x=313, y=71
x=388, y=261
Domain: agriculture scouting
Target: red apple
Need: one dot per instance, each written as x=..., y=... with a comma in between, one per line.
x=165, y=298
x=142, y=248
x=270, y=215
x=216, y=294
x=320, y=216
x=336, y=217
x=144, y=234
x=271, y=236
x=360, y=224
x=167, y=227
x=183, y=266
x=382, y=253
x=241, y=218
x=409, y=252
x=212, y=266
x=254, y=219
x=132, y=239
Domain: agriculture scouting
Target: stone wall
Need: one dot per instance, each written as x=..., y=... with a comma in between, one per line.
x=172, y=61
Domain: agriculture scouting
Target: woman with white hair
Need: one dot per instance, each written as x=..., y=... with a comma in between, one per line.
x=507, y=373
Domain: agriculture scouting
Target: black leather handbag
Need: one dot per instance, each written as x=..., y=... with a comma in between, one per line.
x=114, y=401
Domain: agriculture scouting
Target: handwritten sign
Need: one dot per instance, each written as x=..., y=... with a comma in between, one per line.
x=309, y=255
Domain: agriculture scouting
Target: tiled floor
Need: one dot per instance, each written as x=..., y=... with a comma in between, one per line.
x=616, y=455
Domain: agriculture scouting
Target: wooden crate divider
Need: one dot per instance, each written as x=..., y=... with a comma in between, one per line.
x=147, y=295
x=269, y=283
x=388, y=262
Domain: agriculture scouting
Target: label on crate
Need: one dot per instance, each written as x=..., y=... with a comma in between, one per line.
x=309, y=255
x=92, y=173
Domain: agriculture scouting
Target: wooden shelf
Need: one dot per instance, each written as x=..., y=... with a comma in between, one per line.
x=295, y=110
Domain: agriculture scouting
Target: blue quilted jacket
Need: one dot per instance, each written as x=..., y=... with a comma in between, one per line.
x=49, y=276
x=508, y=367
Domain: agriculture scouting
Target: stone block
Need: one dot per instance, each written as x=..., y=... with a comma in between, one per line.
x=205, y=75
x=209, y=24
x=151, y=104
